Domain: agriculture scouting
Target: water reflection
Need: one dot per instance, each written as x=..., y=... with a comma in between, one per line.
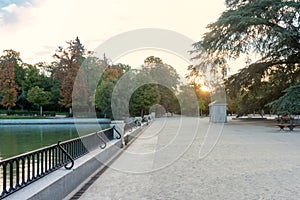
x=17, y=139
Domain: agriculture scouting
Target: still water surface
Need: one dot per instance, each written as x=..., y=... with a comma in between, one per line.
x=18, y=139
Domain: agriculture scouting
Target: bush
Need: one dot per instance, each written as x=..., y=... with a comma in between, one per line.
x=49, y=113
x=23, y=113
x=28, y=113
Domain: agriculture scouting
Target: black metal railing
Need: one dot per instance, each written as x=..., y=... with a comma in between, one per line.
x=22, y=170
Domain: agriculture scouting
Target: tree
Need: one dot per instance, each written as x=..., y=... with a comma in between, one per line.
x=167, y=79
x=168, y=99
x=145, y=96
x=68, y=63
x=104, y=90
x=9, y=62
x=202, y=106
x=103, y=98
x=92, y=67
x=143, y=99
x=289, y=103
x=152, y=60
x=51, y=83
x=267, y=28
x=39, y=97
x=188, y=101
x=160, y=72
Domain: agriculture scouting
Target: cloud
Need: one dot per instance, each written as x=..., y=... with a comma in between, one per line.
x=29, y=26
x=10, y=11
x=8, y=14
x=10, y=8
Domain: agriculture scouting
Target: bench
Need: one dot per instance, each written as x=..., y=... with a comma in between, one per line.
x=290, y=126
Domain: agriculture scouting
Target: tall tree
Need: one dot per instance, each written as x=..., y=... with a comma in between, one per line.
x=167, y=79
x=145, y=96
x=92, y=67
x=68, y=63
x=104, y=90
x=9, y=62
x=269, y=28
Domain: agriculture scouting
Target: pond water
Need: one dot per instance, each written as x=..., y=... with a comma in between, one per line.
x=18, y=139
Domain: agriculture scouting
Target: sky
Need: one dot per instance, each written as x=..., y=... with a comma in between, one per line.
x=35, y=28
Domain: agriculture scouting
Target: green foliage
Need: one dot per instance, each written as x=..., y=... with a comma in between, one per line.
x=21, y=117
x=104, y=91
x=15, y=114
x=153, y=60
x=143, y=99
x=27, y=86
x=155, y=83
x=289, y=103
x=269, y=28
x=161, y=73
x=103, y=98
x=167, y=79
x=244, y=29
x=201, y=104
x=168, y=99
x=38, y=96
x=92, y=67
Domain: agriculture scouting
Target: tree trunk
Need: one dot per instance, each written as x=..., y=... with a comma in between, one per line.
x=8, y=110
x=41, y=110
x=70, y=112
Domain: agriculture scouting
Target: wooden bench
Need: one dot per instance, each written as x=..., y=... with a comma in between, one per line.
x=290, y=126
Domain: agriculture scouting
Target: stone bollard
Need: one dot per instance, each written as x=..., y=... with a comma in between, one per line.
x=152, y=115
x=119, y=126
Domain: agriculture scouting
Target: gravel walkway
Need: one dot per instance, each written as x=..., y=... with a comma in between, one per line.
x=178, y=158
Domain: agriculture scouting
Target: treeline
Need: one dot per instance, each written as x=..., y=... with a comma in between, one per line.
x=50, y=86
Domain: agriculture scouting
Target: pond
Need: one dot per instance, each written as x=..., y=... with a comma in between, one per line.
x=18, y=139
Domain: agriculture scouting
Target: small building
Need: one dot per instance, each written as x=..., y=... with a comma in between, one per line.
x=218, y=112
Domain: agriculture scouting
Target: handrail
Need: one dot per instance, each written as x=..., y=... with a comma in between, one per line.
x=19, y=171
x=68, y=155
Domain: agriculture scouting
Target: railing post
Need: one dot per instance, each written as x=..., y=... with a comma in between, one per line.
x=4, y=190
x=67, y=155
x=118, y=127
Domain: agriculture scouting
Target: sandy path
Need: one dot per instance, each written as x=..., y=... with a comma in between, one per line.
x=251, y=160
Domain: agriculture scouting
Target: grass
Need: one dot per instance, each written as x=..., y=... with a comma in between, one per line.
x=28, y=114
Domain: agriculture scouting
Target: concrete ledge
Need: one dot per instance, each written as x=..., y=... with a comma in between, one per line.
x=131, y=135
x=60, y=183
